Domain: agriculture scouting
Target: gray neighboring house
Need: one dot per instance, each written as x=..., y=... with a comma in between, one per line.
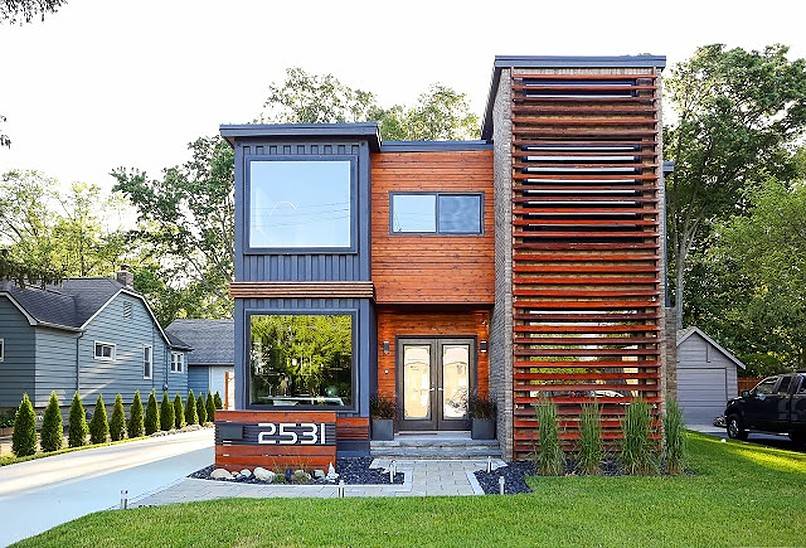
x=706, y=376
x=213, y=356
x=95, y=335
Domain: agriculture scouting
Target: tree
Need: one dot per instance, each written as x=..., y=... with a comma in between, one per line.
x=23, y=439
x=201, y=408
x=77, y=428
x=136, y=421
x=441, y=113
x=190, y=409
x=166, y=413
x=52, y=436
x=217, y=401
x=737, y=114
x=210, y=407
x=179, y=412
x=25, y=11
x=99, y=427
x=152, y=420
x=117, y=424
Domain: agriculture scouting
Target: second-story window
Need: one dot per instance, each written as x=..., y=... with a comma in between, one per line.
x=300, y=204
x=435, y=213
x=177, y=362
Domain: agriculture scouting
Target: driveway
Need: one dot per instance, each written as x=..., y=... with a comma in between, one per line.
x=40, y=494
x=770, y=440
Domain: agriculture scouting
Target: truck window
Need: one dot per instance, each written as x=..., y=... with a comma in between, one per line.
x=783, y=388
x=802, y=389
x=766, y=386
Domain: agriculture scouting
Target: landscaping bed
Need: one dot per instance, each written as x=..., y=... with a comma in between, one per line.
x=353, y=471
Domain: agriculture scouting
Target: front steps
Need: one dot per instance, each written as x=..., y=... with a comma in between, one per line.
x=435, y=445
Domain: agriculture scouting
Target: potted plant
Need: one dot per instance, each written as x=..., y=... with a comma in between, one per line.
x=382, y=410
x=482, y=415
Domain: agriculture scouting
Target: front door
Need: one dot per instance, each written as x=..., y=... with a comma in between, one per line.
x=434, y=380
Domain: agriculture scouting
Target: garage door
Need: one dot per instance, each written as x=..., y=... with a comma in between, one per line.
x=702, y=394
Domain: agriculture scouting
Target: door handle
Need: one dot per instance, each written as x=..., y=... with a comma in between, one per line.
x=431, y=389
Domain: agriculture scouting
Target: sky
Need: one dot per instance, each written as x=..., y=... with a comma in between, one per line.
x=109, y=83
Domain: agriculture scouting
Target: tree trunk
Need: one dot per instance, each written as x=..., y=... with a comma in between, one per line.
x=679, y=284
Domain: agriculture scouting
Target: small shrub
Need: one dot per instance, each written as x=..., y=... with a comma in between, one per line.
x=167, y=415
x=191, y=416
x=52, y=436
x=381, y=407
x=99, y=427
x=7, y=418
x=638, y=450
x=549, y=456
x=201, y=408
x=23, y=439
x=674, y=440
x=152, y=420
x=77, y=428
x=117, y=424
x=210, y=404
x=136, y=421
x=591, y=449
x=481, y=407
x=179, y=412
x=217, y=400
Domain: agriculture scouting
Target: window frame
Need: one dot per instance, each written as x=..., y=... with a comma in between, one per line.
x=2, y=349
x=150, y=349
x=177, y=362
x=114, y=347
x=248, y=249
x=437, y=195
x=354, y=361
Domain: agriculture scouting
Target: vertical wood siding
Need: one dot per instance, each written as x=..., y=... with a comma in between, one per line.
x=426, y=322
x=17, y=369
x=587, y=251
x=409, y=268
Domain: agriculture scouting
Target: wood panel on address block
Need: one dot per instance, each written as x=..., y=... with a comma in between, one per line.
x=394, y=322
x=432, y=268
x=587, y=250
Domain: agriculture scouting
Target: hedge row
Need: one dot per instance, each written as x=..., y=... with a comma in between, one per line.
x=170, y=415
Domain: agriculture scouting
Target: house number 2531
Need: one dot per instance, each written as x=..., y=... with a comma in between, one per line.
x=292, y=433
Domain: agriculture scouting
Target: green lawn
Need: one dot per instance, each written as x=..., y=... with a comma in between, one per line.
x=742, y=495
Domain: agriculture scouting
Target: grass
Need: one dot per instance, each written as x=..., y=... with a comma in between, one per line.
x=741, y=495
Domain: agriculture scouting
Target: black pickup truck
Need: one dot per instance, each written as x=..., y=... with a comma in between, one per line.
x=776, y=405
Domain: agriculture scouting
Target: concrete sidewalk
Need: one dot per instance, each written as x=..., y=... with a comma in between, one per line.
x=43, y=493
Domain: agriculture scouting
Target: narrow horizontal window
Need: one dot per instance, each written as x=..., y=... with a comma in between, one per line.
x=104, y=351
x=436, y=213
x=300, y=204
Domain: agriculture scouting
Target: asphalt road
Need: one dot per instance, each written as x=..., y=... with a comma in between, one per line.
x=770, y=440
x=40, y=494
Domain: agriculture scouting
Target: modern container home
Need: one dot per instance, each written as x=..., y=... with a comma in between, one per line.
x=527, y=264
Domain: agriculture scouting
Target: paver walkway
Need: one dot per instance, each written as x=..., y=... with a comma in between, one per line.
x=422, y=478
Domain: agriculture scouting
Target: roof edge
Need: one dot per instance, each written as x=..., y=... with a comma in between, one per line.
x=431, y=146
x=363, y=130
x=690, y=330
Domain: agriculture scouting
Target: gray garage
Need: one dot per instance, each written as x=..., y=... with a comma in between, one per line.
x=706, y=376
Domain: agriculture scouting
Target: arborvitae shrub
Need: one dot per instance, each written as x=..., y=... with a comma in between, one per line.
x=166, y=413
x=674, y=442
x=210, y=408
x=136, y=421
x=217, y=401
x=23, y=440
x=191, y=417
x=117, y=424
x=591, y=449
x=638, y=450
x=201, y=408
x=549, y=456
x=78, y=429
x=152, y=420
x=99, y=427
x=52, y=436
x=179, y=412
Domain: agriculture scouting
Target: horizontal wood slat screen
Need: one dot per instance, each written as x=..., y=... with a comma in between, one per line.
x=302, y=290
x=587, y=251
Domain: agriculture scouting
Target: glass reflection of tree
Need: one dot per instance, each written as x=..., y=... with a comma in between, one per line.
x=302, y=355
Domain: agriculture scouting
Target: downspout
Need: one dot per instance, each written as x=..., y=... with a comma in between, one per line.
x=78, y=362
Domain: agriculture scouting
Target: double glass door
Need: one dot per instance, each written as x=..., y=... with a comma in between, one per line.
x=435, y=378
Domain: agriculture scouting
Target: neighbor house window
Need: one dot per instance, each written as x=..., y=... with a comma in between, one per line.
x=301, y=360
x=148, y=362
x=104, y=351
x=300, y=204
x=177, y=362
x=2, y=350
x=436, y=213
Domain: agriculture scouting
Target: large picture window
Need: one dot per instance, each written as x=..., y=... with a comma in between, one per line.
x=435, y=213
x=300, y=204
x=301, y=360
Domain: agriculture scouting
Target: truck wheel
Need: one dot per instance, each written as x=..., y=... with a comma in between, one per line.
x=735, y=429
x=798, y=438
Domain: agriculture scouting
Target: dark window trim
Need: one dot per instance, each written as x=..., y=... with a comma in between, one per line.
x=393, y=193
x=247, y=204
x=249, y=312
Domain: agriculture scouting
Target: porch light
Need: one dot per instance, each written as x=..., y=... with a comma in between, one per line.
x=483, y=346
x=386, y=347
